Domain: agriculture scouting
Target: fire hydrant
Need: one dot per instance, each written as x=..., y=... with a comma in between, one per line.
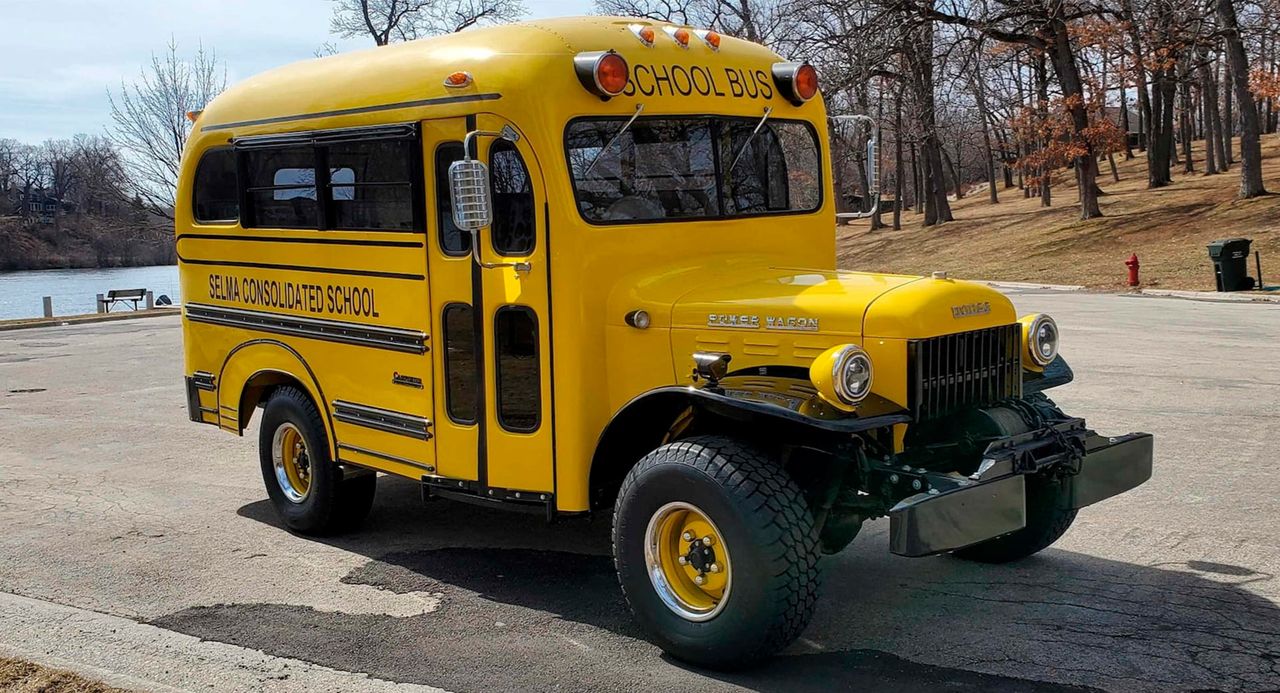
x=1132, y=264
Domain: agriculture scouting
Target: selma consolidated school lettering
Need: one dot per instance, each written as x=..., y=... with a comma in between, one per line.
x=333, y=299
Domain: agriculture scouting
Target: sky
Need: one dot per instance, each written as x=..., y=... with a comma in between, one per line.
x=61, y=56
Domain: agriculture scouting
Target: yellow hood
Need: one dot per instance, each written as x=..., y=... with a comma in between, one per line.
x=787, y=299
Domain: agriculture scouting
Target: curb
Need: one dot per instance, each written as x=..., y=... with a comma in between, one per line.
x=1214, y=296
x=1030, y=285
x=25, y=323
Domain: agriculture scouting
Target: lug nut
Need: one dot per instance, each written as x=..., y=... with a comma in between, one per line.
x=714, y=567
x=687, y=536
x=698, y=579
x=706, y=541
x=682, y=560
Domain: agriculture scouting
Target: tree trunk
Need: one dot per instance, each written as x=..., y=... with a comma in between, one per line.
x=1228, y=119
x=1185, y=124
x=1042, y=112
x=1064, y=63
x=1124, y=111
x=917, y=188
x=1140, y=72
x=897, y=158
x=1250, y=137
x=920, y=56
x=980, y=93
x=1212, y=123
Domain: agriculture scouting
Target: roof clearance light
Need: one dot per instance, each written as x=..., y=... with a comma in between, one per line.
x=458, y=79
x=603, y=73
x=646, y=34
x=711, y=38
x=797, y=81
x=680, y=34
x=193, y=116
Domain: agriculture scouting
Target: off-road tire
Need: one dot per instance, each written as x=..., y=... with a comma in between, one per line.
x=1046, y=523
x=766, y=527
x=332, y=505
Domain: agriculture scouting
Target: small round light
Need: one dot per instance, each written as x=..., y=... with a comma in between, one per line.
x=806, y=82
x=646, y=35
x=853, y=375
x=612, y=74
x=681, y=36
x=638, y=319
x=713, y=39
x=1041, y=335
x=458, y=79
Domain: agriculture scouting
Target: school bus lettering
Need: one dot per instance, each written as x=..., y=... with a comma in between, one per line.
x=705, y=347
x=698, y=80
x=294, y=296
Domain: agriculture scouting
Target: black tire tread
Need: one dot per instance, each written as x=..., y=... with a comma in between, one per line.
x=758, y=484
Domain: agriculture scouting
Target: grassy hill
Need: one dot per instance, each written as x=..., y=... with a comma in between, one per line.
x=1017, y=240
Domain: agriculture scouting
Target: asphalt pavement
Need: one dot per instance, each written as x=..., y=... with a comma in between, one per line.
x=139, y=547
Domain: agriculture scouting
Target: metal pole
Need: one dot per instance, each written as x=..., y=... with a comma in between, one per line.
x=100, y=303
x=1257, y=263
x=151, y=300
x=48, y=306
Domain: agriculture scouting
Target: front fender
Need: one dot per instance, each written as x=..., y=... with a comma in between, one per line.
x=1055, y=374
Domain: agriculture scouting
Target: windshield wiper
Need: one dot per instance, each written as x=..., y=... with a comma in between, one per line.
x=613, y=140
x=743, y=149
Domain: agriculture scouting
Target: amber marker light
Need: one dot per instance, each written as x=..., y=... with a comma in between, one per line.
x=193, y=116
x=709, y=37
x=603, y=73
x=681, y=36
x=458, y=79
x=646, y=34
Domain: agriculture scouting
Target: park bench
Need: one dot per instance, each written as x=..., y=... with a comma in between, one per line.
x=116, y=297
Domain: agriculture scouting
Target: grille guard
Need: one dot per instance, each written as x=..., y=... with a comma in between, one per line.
x=954, y=513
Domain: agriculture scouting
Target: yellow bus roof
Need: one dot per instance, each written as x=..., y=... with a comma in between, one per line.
x=504, y=60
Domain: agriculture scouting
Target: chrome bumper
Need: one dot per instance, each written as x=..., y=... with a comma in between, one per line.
x=993, y=501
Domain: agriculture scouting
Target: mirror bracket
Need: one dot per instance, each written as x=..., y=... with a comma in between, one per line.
x=873, y=167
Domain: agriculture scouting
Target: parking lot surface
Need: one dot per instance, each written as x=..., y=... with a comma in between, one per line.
x=141, y=546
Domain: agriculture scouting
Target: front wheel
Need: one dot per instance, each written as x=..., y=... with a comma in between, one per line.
x=306, y=487
x=1046, y=523
x=716, y=552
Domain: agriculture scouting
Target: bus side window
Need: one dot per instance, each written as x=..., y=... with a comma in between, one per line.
x=215, y=196
x=371, y=185
x=519, y=382
x=514, y=218
x=452, y=240
x=282, y=188
x=460, y=363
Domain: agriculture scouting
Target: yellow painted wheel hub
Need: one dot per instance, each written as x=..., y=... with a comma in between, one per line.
x=292, y=462
x=688, y=561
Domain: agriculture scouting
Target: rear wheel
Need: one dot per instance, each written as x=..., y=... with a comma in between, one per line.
x=1046, y=523
x=716, y=552
x=306, y=487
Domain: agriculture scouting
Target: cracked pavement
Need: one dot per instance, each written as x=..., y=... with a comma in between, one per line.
x=114, y=505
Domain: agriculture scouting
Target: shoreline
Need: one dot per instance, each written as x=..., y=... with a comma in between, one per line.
x=57, y=320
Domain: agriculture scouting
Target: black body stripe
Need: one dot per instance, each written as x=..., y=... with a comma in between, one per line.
x=301, y=268
x=437, y=101
x=382, y=456
x=379, y=419
x=375, y=336
x=286, y=239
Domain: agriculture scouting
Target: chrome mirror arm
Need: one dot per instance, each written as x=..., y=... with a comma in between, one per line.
x=873, y=166
x=507, y=133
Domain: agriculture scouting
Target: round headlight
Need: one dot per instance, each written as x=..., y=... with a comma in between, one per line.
x=842, y=375
x=852, y=374
x=1041, y=337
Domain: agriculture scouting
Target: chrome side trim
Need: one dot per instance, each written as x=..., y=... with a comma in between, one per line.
x=375, y=336
x=381, y=456
x=203, y=380
x=380, y=419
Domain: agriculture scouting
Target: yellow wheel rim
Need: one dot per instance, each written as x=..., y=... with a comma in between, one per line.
x=292, y=462
x=688, y=561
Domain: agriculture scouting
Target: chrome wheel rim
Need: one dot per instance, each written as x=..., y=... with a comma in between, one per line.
x=292, y=463
x=685, y=582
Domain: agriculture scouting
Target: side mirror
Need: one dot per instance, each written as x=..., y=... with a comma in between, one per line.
x=470, y=195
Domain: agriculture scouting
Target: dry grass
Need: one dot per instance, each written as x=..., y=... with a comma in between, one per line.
x=1017, y=240
x=17, y=676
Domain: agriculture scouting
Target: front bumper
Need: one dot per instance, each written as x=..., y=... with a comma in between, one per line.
x=958, y=513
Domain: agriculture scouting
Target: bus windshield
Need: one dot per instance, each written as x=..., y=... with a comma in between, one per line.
x=681, y=168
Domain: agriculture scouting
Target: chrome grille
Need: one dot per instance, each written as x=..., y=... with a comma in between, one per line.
x=964, y=369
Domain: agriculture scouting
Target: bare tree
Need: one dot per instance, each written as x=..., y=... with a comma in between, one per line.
x=389, y=21
x=150, y=125
x=1250, y=132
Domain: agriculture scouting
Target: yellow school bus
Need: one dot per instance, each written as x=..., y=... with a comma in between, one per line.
x=587, y=265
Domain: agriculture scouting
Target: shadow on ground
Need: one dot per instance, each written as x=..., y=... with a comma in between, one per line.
x=529, y=607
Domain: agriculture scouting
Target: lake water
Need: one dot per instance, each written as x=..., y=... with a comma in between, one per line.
x=74, y=290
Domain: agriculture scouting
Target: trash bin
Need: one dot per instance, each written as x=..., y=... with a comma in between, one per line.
x=1230, y=258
